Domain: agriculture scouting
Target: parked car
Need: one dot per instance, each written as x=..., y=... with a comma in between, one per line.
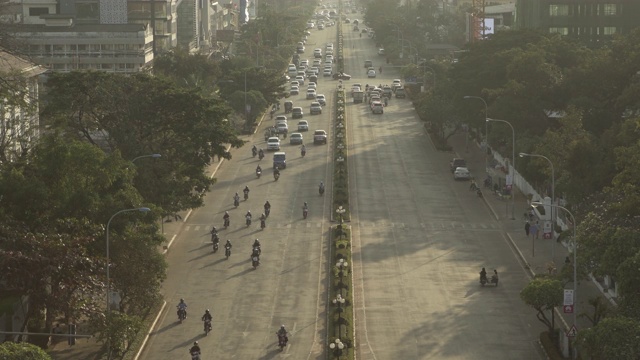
x=461, y=173
x=456, y=163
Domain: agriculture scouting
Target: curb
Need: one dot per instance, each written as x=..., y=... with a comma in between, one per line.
x=153, y=325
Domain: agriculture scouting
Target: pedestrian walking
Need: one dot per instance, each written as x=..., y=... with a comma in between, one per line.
x=527, y=228
x=534, y=230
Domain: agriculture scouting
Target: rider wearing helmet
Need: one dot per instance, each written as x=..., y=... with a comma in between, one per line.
x=195, y=348
x=282, y=331
x=207, y=316
x=182, y=306
x=305, y=206
x=226, y=215
x=256, y=243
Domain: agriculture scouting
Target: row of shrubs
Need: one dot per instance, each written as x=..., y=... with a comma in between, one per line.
x=340, y=319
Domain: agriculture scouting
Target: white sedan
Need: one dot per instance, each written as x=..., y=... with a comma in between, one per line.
x=461, y=173
x=371, y=73
x=321, y=99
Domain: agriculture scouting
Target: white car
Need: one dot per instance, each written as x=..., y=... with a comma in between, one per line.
x=295, y=83
x=329, y=58
x=321, y=99
x=300, y=79
x=303, y=125
x=304, y=63
x=461, y=173
x=281, y=128
x=312, y=85
x=327, y=72
x=371, y=73
x=281, y=118
x=396, y=83
x=315, y=108
x=294, y=90
x=311, y=94
x=273, y=143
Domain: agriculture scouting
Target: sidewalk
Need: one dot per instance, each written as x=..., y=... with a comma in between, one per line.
x=537, y=255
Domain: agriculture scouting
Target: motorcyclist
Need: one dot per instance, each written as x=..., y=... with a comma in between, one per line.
x=303, y=150
x=261, y=153
x=483, y=274
x=276, y=172
x=258, y=169
x=321, y=188
x=182, y=306
x=494, y=277
x=195, y=348
x=282, y=332
x=228, y=245
x=226, y=217
x=254, y=150
x=267, y=206
x=256, y=243
x=207, y=316
x=305, y=207
x=236, y=197
x=263, y=217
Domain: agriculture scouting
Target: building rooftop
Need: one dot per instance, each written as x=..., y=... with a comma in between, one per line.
x=13, y=64
x=500, y=9
x=82, y=28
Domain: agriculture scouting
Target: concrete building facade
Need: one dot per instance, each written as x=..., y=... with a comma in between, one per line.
x=591, y=21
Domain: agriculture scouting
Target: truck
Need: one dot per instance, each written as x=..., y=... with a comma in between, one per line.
x=319, y=137
x=358, y=97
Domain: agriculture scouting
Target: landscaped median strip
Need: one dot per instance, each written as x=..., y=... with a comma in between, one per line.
x=341, y=330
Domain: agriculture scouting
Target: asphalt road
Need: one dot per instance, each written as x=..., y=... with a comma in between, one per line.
x=289, y=287
x=420, y=239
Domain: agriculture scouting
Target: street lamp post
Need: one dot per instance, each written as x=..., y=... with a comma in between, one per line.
x=339, y=301
x=340, y=210
x=553, y=201
x=486, y=128
x=513, y=164
x=155, y=156
x=341, y=265
x=337, y=347
x=141, y=209
x=575, y=258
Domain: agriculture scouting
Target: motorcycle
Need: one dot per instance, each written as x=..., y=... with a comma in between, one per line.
x=246, y=195
x=282, y=341
x=236, y=202
x=258, y=173
x=321, y=190
x=263, y=224
x=254, y=152
x=195, y=355
x=261, y=155
x=215, y=246
x=267, y=211
x=305, y=212
x=207, y=326
x=227, y=251
x=493, y=281
x=303, y=152
x=256, y=251
x=276, y=176
x=255, y=262
x=182, y=315
x=226, y=223
x=248, y=222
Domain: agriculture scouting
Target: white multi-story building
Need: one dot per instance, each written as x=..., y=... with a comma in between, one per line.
x=19, y=113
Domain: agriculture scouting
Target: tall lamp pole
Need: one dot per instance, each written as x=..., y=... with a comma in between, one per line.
x=513, y=164
x=486, y=128
x=141, y=209
x=575, y=258
x=553, y=201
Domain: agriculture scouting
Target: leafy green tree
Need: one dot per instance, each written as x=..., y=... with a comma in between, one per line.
x=188, y=70
x=613, y=338
x=543, y=294
x=139, y=115
x=22, y=351
x=117, y=330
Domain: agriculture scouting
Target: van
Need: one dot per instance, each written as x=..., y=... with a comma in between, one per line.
x=280, y=160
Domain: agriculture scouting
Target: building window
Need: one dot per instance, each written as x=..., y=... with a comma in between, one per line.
x=558, y=10
x=87, y=11
x=609, y=30
x=37, y=11
x=559, y=30
x=610, y=9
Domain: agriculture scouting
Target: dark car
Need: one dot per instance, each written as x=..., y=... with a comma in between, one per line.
x=341, y=76
x=456, y=163
x=313, y=78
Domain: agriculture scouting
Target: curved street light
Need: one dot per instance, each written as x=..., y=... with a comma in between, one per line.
x=155, y=156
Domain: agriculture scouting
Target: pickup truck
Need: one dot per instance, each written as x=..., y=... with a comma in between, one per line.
x=319, y=137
